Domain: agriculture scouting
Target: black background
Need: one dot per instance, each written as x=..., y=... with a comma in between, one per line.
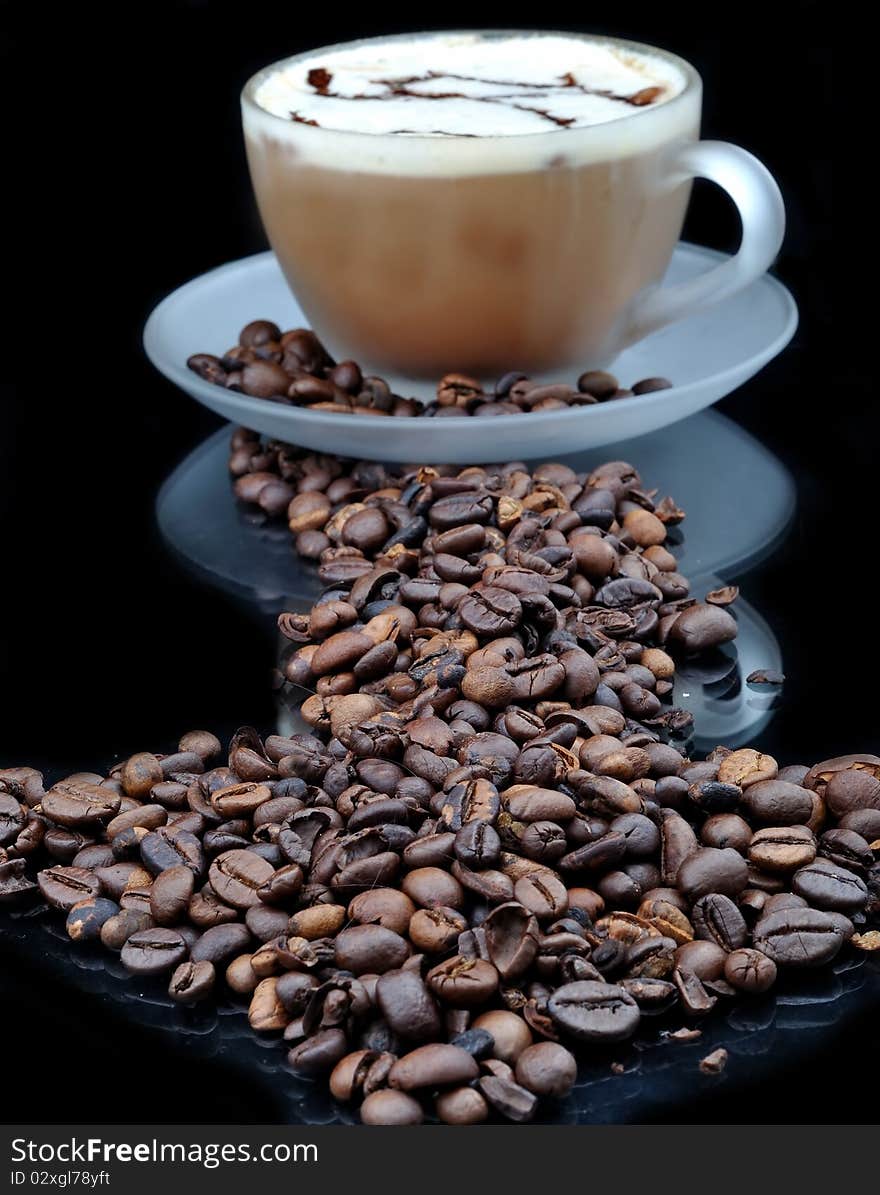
x=136, y=162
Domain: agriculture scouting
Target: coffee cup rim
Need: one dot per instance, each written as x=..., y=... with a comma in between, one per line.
x=693, y=83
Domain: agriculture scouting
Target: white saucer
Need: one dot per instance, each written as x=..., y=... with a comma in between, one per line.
x=707, y=356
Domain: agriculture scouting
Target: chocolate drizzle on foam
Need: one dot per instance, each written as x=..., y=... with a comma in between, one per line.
x=457, y=104
x=320, y=80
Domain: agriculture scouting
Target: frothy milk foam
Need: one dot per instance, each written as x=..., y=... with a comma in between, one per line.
x=459, y=88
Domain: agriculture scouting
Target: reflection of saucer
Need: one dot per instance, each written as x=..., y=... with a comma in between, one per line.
x=712, y=687
x=251, y=557
x=707, y=356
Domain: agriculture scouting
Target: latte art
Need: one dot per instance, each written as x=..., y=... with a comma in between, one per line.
x=468, y=85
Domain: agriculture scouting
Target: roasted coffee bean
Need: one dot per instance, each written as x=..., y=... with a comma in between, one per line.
x=488, y=684
x=219, y=943
x=750, y=971
x=191, y=982
x=479, y=1043
x=545, y=842
x=825, y=885
x=847, y=849
x=263, y=922
x=717, y=919
x=432, y=888
x=547, y=1069
x=436, y=930
x=709, y=869
x=530, y=804
x=435, y=1065
x=237, y=876
x=595, y=856
x=153, y=951
x=319, y=1054
x=241, y=977
x=726, y=829
x=512, y=1101
x=711, y=796
x=370, y=948
x=799, y=937
x=148, y=816
x=543, y=894
x=63, y=887
x=78, y=804
x=853, y=788
x=490, y=610
x=170, y=895
x=783, y=849
x=865, y=822
x=510, y=1034
x=695, y=999
x=169, y=847
x=463, y=982
x=703, y=958
x=294, y=990
x=778, y=803
x=746, y=767
x=667, y=918
x=461, y=1105
x=325, y=920
x=382, y=906
x=282, y=887
x=201, y=743
x=456, y=509
x=511, y=938
x=387, y=1107
x=782, y=900
x=594, y=1012
x=87, y=918
x=408, y=1006
x=117, y=929
x=651, y=995
x=477, y=845
x=700, y=627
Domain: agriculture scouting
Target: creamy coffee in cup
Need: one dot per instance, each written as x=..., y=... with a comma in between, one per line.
x=474, y=201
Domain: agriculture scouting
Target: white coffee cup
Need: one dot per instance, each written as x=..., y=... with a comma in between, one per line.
x=483, y=249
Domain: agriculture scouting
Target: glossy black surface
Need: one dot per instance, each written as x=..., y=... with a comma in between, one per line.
x=111, y=643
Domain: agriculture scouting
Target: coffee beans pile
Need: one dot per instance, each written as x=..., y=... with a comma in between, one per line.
x=434, y=919
x=563, y=581
x=481, y=857
x=294, y=368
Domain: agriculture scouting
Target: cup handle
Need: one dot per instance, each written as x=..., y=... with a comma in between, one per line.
x=753, y=189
